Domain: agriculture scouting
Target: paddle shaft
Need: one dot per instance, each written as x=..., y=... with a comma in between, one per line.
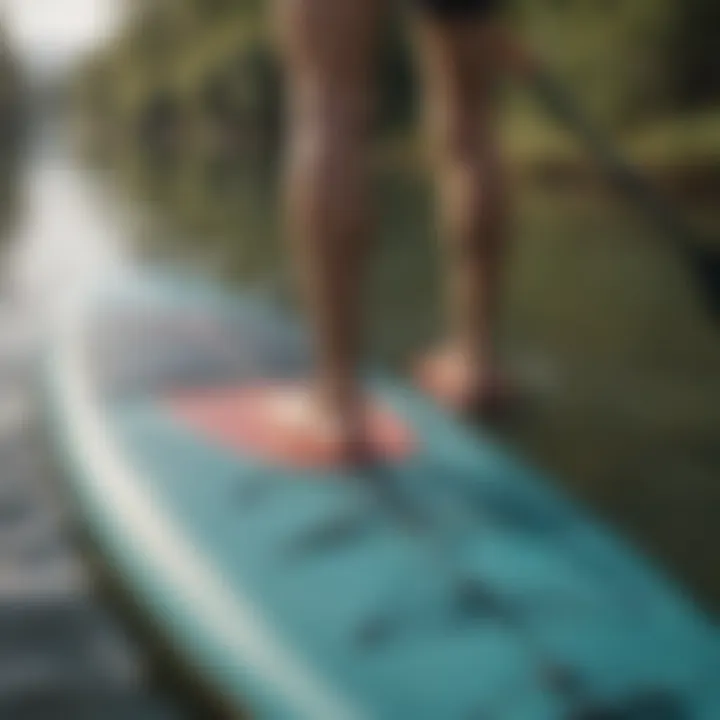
x=702, y=259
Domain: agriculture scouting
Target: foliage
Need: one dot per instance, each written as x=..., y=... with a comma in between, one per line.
x=213, y=61
x=695, y=53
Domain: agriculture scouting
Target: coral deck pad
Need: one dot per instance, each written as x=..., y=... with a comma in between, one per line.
x=450, y=582
x=269, y=422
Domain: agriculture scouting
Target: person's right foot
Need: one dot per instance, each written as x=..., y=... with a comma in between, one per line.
x=318, y=431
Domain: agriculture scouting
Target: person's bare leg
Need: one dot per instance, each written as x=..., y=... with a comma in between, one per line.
x=460, y=61
x=328, y=48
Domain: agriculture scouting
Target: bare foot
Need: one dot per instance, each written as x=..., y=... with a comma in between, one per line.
x=292, y=425
x=464, y=385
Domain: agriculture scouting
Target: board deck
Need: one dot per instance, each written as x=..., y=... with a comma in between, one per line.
x=453, y=582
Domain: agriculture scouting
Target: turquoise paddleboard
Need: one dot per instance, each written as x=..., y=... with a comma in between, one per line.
x=449, y=583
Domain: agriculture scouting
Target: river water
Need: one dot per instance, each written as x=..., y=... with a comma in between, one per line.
x=601, y=326
x=64, y=655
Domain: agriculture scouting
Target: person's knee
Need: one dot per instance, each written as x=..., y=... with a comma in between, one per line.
x=473, y=189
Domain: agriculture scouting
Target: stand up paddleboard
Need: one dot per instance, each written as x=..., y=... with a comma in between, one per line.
x=447, y=582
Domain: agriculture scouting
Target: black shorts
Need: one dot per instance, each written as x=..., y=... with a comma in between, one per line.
x=452, y=9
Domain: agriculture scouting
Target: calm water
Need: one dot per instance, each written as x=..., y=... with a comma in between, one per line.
x=63, y=653
x=601, y=325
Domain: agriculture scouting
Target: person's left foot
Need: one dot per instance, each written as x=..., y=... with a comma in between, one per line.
x=464, y=385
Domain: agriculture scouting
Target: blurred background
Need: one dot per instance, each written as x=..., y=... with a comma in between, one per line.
x=151, y=129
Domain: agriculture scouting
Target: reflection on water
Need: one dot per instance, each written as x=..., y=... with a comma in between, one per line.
x=10, y=201
x=62, y=656
x=602, y=325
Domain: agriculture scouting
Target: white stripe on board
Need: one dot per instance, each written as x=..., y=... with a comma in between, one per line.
x=228, y=617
